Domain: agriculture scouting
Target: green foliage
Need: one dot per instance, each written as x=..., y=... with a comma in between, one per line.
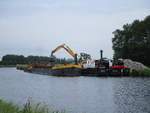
x=143, y=72
x=20, y=59
x=1, y=66
x=133, y=41
x=13, y=60
x=84, y=56
x=39, y=59
x=21, y=66
x=34, y=108
x=6, y=107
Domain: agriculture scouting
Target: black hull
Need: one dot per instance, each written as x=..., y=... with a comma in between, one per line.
x=100, y=72
x=105, y=72
x=66, y=72
x=95, y=72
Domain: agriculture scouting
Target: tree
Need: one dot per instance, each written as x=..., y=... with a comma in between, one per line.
x=84, y=56
x=133, y=41
x=20, y=59
x=13, y=59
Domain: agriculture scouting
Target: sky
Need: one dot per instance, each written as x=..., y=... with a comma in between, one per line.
x=36, y=27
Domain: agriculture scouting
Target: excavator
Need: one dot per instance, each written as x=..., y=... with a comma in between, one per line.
x=70, y=52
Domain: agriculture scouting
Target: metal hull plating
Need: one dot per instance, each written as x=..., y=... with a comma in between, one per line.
x=66, y=72
x=82, y=72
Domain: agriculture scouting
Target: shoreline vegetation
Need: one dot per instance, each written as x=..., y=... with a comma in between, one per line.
x=132, y=41
x=141, y=73
x=13, y=60
x=28, y=107
x=7, y=66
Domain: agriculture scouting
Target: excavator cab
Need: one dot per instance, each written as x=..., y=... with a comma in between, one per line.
x=102, y=63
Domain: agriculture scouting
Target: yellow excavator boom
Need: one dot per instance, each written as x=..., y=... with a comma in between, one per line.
x=65, y=47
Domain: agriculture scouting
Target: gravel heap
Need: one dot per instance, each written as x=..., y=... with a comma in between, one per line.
x=133, y=64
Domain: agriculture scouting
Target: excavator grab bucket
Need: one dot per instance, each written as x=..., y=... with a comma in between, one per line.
x=52, y=58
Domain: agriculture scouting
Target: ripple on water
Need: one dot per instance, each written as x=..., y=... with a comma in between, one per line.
x=132, y=95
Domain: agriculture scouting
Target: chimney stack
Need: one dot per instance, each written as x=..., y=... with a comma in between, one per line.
x=101, y=54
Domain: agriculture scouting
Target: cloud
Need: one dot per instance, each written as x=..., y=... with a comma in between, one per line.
x=40, y=33
x=29, y=7
x=35, y=27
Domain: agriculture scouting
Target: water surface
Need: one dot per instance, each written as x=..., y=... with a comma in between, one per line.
x=77, y=94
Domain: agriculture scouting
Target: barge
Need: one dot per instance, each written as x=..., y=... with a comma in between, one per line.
x=99, y=67
x=73, y=71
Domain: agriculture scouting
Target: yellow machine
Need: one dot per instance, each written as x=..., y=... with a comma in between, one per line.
x=65, y=47
x=34, y=65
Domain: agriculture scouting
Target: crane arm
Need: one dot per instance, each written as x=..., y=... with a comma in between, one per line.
x=65, y=47
x=56, y=49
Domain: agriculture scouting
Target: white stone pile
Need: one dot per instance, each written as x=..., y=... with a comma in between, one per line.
x=133, y=64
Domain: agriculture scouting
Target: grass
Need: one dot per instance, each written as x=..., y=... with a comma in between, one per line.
x=6, y=107
x=21, y=67
x=2, y=66
x=142, y=72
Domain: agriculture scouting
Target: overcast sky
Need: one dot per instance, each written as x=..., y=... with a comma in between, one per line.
x=35, y=27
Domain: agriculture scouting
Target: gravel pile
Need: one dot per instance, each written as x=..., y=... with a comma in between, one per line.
x=133, y=64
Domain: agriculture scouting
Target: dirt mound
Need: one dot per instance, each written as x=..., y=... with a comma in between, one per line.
x=133, y=64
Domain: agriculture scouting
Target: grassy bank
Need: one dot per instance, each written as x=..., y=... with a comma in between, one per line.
x=3, y=66
x=140, y=73
x=6, y=107
x=21, y=66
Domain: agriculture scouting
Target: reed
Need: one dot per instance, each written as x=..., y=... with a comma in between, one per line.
x=7, y=107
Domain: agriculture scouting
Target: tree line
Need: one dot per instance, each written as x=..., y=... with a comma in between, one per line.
x=12, y=59
x=133, y=41
x=20, y=59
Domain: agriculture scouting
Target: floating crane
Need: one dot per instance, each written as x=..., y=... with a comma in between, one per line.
x=85, y=66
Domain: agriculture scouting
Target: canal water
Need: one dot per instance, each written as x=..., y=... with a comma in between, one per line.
x=77, y=94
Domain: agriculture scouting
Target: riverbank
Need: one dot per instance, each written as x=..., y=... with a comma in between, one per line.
x=7, y=107
x=141, y=73
x=5, y=66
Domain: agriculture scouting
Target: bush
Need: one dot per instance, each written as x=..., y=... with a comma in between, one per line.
x=143, y=72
